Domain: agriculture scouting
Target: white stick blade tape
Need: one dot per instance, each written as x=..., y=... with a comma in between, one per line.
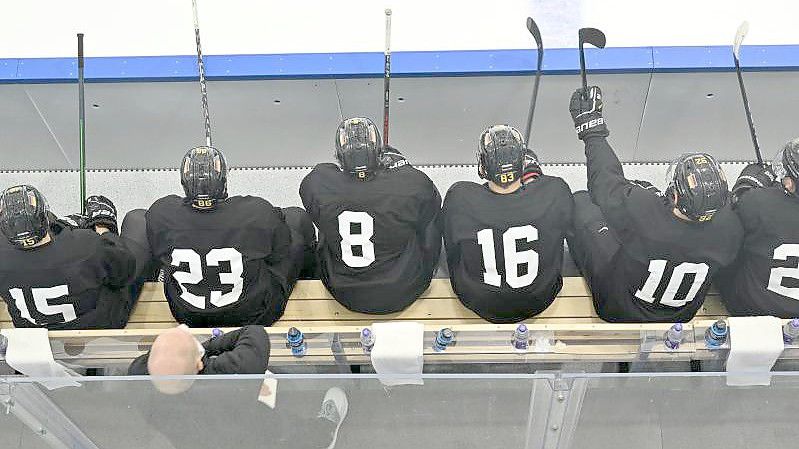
x=739, y=37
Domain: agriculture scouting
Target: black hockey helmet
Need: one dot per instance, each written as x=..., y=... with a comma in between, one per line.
x=203, y=174
x=700, y=185
x=500, y=155
x=23, y=215
x=358, y=147
x=786, y=164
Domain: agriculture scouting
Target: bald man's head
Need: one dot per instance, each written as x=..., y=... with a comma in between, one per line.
x=175, y=352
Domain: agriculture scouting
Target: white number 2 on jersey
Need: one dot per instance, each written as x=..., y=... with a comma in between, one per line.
x=40, y=297
x=362, y=240
x=195, y=275
x=782, y=252
x=513, y=258
x=656, y=270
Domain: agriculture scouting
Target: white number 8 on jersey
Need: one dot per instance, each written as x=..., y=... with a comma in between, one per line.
x=362, y=239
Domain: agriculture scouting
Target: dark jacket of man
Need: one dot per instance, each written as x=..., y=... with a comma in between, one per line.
x=243, y=351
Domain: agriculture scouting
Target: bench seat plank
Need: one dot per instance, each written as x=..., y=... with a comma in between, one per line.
x=312, y=305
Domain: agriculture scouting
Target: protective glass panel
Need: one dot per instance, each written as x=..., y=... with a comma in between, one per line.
x=464, y=411
x=686, y=410
x=548, y=410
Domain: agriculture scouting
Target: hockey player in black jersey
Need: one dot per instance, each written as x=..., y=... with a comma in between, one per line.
x=648, y=256
x=55, y=274
x=764, y=280
x=228, y=261
x=504, y=238
x=379, y=242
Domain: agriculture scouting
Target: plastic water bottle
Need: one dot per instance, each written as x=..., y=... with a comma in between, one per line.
x=790, y=332
x=673, y=336
x=296, y=342
x=367, y=340
x=216, y=332
x=716, y=334
x=521, y=338
x=444, y=338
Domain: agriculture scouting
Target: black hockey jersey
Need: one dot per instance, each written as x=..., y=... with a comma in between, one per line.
x=764, y=280
x=505, y=252
x=73, y=282
x=379, y=241
x=220, y=263
x=664, y=267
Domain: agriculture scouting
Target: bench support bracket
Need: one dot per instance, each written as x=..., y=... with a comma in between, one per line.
x=555, y=405
x=38, y=412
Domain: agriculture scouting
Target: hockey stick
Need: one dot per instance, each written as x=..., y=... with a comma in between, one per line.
x=387, y=77
x=736, y=52
x=203, y=90
x=590, y=36
x=81, y=126
x=533, y=29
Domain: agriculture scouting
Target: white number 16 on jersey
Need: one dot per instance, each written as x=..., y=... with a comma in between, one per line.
x=513, y=258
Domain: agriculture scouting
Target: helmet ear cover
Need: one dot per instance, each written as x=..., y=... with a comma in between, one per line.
x=203, y=175
x=500, y=155
x=24, y=216
x=359, y=148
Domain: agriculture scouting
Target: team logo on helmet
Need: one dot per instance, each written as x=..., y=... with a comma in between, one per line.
x=358, y=147
x=203, y=175
x=700, y=185
x=500, y=155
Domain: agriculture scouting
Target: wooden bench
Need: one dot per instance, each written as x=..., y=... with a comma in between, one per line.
x=311, y=305
x=570, y=321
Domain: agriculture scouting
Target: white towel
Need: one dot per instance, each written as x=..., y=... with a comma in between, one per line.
x=755, y=344
x=398, y=353
x=29, y=352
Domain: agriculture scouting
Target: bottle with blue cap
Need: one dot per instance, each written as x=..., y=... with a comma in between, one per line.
x=790, y=331
x=444, y=338
x=673, y=336
x=716, y=334
x=367, y=340
x=296, y=342
x=521, y=338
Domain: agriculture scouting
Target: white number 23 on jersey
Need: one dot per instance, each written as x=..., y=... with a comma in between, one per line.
x=195, y=275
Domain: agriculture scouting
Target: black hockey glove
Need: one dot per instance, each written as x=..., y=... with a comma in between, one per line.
x=752, y=176
x=531, y=168
x=73, y=221
x=100, y=211
x=392, y=158
x=586, y=111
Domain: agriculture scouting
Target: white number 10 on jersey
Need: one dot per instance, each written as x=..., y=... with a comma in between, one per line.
x=669, y=297
x=513, y=258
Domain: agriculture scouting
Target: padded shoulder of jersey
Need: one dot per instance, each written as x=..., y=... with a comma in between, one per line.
x=166, y=202
x=77, y=244
x=461, y=188
x=250, y=201
x=755, y=197
x=326, y=168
